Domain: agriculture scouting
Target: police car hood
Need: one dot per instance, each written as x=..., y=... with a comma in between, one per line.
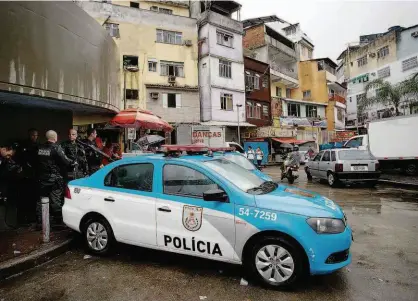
x=298, y=201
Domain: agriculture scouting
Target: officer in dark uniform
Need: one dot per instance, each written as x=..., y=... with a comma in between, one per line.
x=94, y=159
x=75, y=153
x=53, y=163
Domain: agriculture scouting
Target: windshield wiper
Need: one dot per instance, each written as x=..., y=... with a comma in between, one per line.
x=264, y=187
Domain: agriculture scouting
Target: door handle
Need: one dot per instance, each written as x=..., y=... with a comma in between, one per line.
x=164, y=209
x=109, y=199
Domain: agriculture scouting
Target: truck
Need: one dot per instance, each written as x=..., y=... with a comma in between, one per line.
x=393, y=141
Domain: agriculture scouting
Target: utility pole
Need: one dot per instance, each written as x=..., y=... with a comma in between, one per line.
x=239, y=134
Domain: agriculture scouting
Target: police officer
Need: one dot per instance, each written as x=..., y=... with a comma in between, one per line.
x=94, y=159
x=75, y=153
x=52, y=165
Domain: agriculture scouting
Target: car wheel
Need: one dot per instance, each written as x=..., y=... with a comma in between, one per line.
x=275, y=262
x=332, y=180
x=98, y=236
x=411, y=169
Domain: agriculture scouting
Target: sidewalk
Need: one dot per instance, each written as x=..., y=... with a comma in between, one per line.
x=22, y=249
x=398, y=179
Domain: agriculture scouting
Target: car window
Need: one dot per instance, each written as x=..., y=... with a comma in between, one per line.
x=182, y=180
x=241, y=161
x=355, y=142
x=333, y=157
x=318, y=156
x=355, y=155
x=326, y=157
x=134, y=177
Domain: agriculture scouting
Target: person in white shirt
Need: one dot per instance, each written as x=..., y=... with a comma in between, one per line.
x=259, y=156
x=250, y=154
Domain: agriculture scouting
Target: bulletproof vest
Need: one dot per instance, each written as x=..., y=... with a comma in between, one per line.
x=49, y=166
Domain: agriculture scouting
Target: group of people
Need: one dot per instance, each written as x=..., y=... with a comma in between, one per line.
x=29, y=170
x=255, y=156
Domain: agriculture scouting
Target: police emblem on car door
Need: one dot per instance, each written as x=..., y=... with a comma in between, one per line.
x=192, y=217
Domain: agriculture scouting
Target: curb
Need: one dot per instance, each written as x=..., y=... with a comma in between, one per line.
x=18, y=265
x=398, y=184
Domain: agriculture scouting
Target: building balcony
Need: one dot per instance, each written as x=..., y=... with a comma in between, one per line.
x=291, y=53
x=336, y=97
x=221, y=21
x=284, y=75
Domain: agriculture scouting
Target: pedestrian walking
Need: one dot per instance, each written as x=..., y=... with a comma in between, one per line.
x=250, y=154
x=259, y=156
x=94, y=159
x=75, y=153
x=53, y=163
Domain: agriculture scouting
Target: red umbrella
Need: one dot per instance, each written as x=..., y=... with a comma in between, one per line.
x=138, y=118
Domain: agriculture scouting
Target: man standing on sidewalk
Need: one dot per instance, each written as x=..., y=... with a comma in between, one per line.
x=75, y=153
x=94, y=159
x=52, y=164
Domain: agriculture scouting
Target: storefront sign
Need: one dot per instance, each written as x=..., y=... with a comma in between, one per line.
x=208, y=135
x=269, y=131
x=343, y=135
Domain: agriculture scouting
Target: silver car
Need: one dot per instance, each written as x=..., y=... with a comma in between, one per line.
x=344, y=166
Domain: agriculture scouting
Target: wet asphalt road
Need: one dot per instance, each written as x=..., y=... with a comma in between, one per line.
x=384, y=267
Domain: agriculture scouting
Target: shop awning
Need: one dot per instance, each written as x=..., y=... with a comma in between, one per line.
x=290, y=140
x=138, y=118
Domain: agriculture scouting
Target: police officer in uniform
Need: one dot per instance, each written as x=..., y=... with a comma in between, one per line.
x=52, y=165
x=94, y=159
x=75, y=153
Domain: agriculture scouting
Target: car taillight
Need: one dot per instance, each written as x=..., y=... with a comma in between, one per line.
x=377, y=166
x=339, y=167
x=67, y=193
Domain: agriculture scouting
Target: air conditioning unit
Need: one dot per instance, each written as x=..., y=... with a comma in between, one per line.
x=171, y=79
x=414, y=34
x=372, y=54
x=154, y=95
x=132, y=68
x=188, y=42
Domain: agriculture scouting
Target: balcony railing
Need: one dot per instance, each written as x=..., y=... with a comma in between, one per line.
x=284, y=70
x=337, y=97
x=223, y=21
x=281, y=47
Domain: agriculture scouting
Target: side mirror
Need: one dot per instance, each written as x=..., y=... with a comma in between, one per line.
x=215, y=195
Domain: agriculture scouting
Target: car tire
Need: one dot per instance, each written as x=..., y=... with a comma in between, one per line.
x=289, y=269
x=410, y=169
x=98, y=236
x=332, y=179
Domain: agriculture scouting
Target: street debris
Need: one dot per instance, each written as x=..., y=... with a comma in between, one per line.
x=16, y=252
x=243, y=282
x=220, y=271
x=202, y=297
x=87, y=256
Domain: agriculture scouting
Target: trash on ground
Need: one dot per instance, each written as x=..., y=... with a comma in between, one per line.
x=16, y=252
x=243, y=282
x=87, y=256
x=202, y=297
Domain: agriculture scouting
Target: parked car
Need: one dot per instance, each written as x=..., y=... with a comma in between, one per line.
x=344, y=166
x=210, y=207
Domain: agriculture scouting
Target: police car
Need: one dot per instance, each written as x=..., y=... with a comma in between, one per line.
x=209, y=207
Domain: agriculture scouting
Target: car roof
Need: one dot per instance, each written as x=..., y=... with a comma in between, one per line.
x=158, y=157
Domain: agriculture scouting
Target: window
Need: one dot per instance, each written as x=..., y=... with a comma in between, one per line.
x=311, y=111
x=385, y=72
x=318, y=156
x=227, y=103
x=278, y=92
x=225, y=69
x=382, y=52
x=253, y=110
x=326, y=156
x=165, y=11
x=130, y=60
x=134, y=4
x=152, y=66
x=359, y=97
x=333, y=157
x=293, y=109
x=265, y=111
x=224, y=39
x=132, y=177
x=355, y=142
x=169, y=37
x=112, y=29
x=350, y=99
x=154, y=8
x=171, y=100
x=265, y=82
x=307, y=94
x=288, y=91
x=181, y=180
x=291, y=30
x=171, y=68
x=310, y=54
x=409, y=63
x=252, y=81
x=362, y=61
x=131, y=94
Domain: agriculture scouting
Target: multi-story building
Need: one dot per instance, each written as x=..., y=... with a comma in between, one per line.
x=221, y=65
x=158, y=49
x=304, y=44
x=391, y=56
x=257, y=86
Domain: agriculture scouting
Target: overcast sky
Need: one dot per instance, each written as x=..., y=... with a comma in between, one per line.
x=332, y=24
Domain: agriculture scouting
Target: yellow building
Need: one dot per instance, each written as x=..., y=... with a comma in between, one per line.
x=157, y=42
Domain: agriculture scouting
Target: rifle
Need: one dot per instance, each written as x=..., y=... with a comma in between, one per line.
x=95, y=149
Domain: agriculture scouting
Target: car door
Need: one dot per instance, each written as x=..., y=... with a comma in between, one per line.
x=129, y=202
x=314, y=164
x=324, y=164
x=188, y=224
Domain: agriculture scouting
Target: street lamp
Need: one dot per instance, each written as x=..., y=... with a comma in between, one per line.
x=239, y=134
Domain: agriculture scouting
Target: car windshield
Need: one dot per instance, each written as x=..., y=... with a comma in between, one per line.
x=241, y=161
x=239, y=176
x=355, y=155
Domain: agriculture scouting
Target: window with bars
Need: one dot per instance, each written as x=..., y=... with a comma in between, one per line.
x=225, y=69
x=293, y=109
x=382, y=52
x=152, y=66
x=409, y=63
x=171, y=68
x=252, y=80
x=169, y=37
x=311, y=111
x=227, y=103
x=265, y=110
x=362, y=61
x=112, y=29
x=131, y=93
x=288, y=92
x=225, y=39
x=253, y=110
x=278, y=92
x=307, y=94
x=385, y=72
x=165, y=11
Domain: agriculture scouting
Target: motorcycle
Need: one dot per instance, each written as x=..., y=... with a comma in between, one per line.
x=290, y=170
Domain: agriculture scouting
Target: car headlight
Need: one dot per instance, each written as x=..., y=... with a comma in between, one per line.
x=326, y=225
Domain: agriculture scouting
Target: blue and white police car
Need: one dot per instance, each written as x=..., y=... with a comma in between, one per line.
x=209, y=207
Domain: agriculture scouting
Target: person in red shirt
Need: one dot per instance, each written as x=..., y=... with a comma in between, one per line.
x=108, y=150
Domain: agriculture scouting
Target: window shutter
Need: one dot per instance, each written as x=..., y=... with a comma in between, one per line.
x=165, y=100
x=178, y=100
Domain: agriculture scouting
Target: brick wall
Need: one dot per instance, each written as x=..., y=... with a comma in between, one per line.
x=254, y=37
